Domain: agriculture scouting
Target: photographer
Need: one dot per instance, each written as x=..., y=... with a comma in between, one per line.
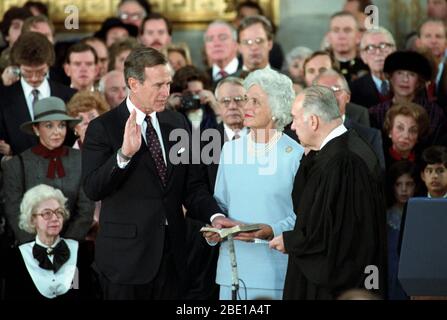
x=192, y=97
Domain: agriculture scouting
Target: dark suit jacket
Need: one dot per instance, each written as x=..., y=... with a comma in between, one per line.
x=357, y=113
x=209, y=72
x=134, y=204
x=441, y=89
x=212, y=168
x=14, y=112
x=372, y=136
x=364, y=92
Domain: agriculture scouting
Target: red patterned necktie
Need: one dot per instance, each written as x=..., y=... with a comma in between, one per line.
x=223, y=74
x=155, y=148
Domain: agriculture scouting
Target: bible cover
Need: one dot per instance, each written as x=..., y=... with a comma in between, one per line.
x=423, y=258
x=225, y=232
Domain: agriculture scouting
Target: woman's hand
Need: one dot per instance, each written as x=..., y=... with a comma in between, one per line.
x=265, y=233
x=5, y=148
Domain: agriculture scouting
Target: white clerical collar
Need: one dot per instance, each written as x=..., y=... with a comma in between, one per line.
x=333, y=134
x=230, y=132
x=430, y=196
x=229, y=68
x=140, y=114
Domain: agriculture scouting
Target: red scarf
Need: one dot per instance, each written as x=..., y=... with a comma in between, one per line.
x=397, y=156
x=54, y=156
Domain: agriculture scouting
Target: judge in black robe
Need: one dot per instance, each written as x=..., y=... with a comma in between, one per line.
x=340, y=207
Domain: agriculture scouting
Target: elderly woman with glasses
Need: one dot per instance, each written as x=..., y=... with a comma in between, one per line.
x=51, y=163
x=254, y=184
x=50, y=266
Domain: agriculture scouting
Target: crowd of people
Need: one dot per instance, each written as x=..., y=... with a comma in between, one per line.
x=320, y=149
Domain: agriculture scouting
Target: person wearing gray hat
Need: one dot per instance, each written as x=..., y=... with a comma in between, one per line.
x=51, y=163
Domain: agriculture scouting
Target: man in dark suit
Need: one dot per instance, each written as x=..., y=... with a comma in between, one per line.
x=338, y=84
x=373, y=88
x=34, y=54
x=143, y=178
x=221, y=50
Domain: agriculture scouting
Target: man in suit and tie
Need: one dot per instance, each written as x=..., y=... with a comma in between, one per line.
x=255, y=37
x=432, y=37
x=231, y=97
x=129, y=163
x=34, y=55
x=221, y=50
x=373, y=88
x=338, y=84
x=316, y=64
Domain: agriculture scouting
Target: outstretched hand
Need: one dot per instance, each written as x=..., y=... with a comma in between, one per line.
x=132, y=136
x=219, y=223
x=266, y=233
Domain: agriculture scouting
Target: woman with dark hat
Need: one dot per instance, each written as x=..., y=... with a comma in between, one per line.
x=408, y=72
x=113, y=29
x=50, y=266
x=51, y=163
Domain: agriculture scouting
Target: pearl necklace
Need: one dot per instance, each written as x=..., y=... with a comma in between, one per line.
x=266, y=148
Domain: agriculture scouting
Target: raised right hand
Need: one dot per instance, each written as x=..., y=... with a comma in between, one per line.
x=132, y=136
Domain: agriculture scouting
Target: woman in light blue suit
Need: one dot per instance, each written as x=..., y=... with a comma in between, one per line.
x=254, y=184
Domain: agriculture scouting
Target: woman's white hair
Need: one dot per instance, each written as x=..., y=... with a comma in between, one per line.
x=32, y=198
x=279, y=89
x=301, y=53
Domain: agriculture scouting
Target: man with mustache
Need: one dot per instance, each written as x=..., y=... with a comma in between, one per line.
x=156, y=31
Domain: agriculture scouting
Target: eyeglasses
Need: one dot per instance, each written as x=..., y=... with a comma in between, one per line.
x=46, y=214
x=220, y=37
x=336, y=89
x=382, y=47
x=239, y=100
x=250, y=42
x=131, y=16
x=37, y=73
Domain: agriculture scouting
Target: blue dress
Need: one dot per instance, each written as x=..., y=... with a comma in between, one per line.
x=256, y=188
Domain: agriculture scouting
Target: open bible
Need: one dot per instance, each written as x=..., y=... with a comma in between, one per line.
x=225, y=232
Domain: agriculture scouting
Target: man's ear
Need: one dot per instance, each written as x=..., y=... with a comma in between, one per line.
x=133, y=83
x=314, y=122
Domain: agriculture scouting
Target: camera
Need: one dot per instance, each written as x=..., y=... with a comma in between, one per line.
x=190, y=101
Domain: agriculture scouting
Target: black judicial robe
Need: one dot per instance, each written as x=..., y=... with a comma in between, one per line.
x=340, y=227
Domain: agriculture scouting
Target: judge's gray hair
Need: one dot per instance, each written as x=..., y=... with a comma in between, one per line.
x=279, y=89
x=320, y=101
x=31, y=200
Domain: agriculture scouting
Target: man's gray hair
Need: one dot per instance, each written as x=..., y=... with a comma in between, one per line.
x=231, y=80
x=298, y=53
x=222, y=23
x=104, y=78
x=320, y=101
x=379, y=30
x=279, y=89
x=31, y=200
x=333, y=73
